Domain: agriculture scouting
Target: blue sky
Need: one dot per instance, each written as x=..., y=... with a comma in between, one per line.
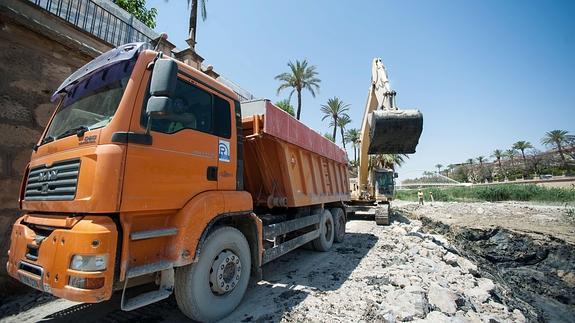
x=485, y=74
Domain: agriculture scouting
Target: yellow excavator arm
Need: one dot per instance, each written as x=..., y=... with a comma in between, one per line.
x=385, y=128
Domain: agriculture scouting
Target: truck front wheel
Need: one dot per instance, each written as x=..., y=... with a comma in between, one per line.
x=214, y=286
x=326, y=232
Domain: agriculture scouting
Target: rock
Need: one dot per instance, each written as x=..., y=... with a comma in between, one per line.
x=436, y=316
x=481, y=293
x=450, y=259
x=442, y=298
x=467, y=266
x=18, y=136
x=406, y=305
x=399, y=230
x=518, y=316
x=429, y=245
x=480, y=210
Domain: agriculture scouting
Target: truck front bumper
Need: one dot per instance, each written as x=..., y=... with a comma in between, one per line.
x=42, y=248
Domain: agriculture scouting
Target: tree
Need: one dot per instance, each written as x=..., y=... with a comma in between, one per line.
x=329, y=137
x=558, y=138
x=439, y=167
x=342, y=122
x=139, y=10
x=481, y=160
x=470, y=161
x=286, y=106
x=498, y=154
x=522, y=146
x=334, y=109
x=510, y=153
x=193, y=20
x=300, y=77
x=387, y=160
x=352, y=135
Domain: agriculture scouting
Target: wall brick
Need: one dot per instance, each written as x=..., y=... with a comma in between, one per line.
x=18, y=136
x=9, y=189
x=20, y=161
x=14, y=111
x=43, y=112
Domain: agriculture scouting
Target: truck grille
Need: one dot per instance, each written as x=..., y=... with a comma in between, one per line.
x=55, y=183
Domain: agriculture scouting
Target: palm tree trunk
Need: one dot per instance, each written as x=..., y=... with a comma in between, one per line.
x=354, y=154
x=298, y=103
x=193, y=21
x=334, y=128
x=342, y=138
x=560, y=149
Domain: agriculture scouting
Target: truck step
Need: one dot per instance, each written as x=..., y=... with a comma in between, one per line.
x=149, y=234
x=149, y=268
x=145, y=299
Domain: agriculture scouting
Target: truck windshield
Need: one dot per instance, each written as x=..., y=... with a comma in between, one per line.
x=91, y=103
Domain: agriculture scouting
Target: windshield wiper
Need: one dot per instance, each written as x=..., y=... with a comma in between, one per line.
x=44, y=141
x=79, y=131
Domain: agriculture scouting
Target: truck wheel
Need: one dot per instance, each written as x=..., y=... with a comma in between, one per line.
x=339, y=224
x=214, y=286
x=326, y=232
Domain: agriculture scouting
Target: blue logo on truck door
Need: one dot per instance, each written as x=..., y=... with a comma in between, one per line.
x=224, y=150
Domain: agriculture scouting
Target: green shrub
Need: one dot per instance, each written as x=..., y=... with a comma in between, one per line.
x=493, y=193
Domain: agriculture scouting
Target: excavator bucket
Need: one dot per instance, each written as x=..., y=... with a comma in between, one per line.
x=394, y=131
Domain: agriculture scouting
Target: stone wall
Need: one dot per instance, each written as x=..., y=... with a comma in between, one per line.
x=33, y=62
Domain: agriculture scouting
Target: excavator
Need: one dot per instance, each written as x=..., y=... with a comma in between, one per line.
x=385, y=130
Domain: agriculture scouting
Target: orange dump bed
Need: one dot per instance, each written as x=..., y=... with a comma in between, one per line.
x=286, y=164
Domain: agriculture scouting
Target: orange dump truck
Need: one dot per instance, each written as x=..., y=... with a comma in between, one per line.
x=148, y=173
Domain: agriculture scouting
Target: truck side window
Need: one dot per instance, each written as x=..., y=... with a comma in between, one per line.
x=192, y=109
x=222, y=119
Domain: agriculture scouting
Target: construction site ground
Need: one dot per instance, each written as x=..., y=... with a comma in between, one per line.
x=458, y=262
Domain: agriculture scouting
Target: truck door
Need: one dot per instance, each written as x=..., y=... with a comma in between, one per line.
x=182, y=159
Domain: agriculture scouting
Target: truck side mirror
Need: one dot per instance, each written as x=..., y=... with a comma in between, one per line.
x=158, y=105
x=164, y=78
x=395, y=175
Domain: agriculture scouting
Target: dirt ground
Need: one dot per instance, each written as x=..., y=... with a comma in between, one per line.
x=402, y=272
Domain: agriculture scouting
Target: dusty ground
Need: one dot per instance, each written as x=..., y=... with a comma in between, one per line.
x=378, y=274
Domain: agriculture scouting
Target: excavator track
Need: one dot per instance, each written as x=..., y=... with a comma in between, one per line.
x=382, y=214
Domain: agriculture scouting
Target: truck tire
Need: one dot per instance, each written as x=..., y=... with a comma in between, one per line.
x=339, y=224
x=326, y=232
x=207, y=290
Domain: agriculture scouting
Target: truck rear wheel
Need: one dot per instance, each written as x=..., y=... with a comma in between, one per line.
x=214, y=286
x=326, y=232
x=339, y=224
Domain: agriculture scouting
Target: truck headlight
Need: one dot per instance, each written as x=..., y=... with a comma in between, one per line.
x=89, y=262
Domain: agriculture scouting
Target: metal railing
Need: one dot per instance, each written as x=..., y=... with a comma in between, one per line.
x=112, y=25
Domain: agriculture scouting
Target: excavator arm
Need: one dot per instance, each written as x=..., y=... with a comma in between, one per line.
x=385, y=128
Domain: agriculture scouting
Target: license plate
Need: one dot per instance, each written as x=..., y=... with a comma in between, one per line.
x=35, y=283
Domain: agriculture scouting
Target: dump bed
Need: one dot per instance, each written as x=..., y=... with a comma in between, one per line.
x=286, y=164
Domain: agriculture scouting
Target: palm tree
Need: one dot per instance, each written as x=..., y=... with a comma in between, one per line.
x=439, y=167
x=481, y=160
x=557, y=138
x=498, y=154
x=352, y=135
x=387, y=160
x=510, y=153
x=334, y=109
x=470, y=161
x=301, y=76
x=522, y=145
x=342, y=122
x=193, y=21
x=286, y=106
x=328, y=136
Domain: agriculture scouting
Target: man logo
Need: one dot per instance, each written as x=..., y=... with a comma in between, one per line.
x=49, y=175
x=224, y=151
